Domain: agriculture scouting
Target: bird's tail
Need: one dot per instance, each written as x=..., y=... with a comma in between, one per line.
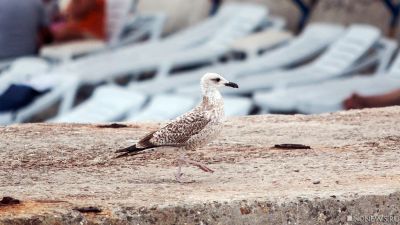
x=131, y=150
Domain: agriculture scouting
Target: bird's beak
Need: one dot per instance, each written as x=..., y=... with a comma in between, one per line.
x=231, y=84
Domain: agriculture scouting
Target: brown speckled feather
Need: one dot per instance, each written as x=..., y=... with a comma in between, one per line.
x=145, y=141
x=178, y=132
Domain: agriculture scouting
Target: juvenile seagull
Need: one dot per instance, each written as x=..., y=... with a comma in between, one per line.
x=193, y=129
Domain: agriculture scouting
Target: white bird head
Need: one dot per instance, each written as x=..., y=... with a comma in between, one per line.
x=214, y=80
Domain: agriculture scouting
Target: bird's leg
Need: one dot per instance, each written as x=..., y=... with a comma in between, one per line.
x=178, y=175
x=184, y=160
x=194, y=163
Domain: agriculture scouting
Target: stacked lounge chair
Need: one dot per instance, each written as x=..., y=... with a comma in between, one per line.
x=247, y=18
x=307, y=45
x=333, y=93
x=353, y=51
x=288, y=99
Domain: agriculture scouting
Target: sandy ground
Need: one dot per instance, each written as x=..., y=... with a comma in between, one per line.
x=53, y=167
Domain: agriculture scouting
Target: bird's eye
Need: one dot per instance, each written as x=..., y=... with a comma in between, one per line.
x=217, y=79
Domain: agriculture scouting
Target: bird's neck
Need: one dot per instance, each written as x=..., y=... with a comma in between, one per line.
x=212, y=94
x=212, y=99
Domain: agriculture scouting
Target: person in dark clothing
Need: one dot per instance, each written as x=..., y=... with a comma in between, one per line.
x=22, y=24
x=215, y=4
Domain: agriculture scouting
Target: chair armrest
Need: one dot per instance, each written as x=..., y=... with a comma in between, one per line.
x=68, y=50
x=256, y=42
x=387, y=48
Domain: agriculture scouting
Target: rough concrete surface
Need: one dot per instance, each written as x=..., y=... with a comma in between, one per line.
x=351, y=173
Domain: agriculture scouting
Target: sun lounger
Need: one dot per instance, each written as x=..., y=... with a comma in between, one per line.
x=164, y=107
x=333, y=93
x=312, y=41
x=290, y=99
x=237, y=106
x=341, y=58
x=108, y=103
x=107, y=66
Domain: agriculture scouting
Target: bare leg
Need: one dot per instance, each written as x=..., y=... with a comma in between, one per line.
x=178, y=175
x=184, y=160
x=199, y=165
x=358, y=102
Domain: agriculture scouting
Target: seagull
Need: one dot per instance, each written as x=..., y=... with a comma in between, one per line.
x=191, y=130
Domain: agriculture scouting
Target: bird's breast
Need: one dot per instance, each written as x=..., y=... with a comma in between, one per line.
x=207, y=135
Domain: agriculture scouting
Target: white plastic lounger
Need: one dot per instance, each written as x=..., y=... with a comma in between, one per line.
x=290, y=99
x=169, y=106
x=164, y=107
x=82, y=70
x=333, y=93
x=187, y=38
x=33, y=71
x=251, y=45
x=22, y=69
x=367, y=86
x=108, y=103
x=237, y=106
x=106, y=67
x=112, y=66
x=341, y=58
x=312, y=41
x=60, y=89
x=122, y=62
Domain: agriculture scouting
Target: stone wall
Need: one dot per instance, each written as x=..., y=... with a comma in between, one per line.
x=350, y=174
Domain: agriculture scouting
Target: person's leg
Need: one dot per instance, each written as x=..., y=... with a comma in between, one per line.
x=67, y=32
x=358, y=102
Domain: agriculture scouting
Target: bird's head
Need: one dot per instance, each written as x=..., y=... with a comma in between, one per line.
x=214, y=80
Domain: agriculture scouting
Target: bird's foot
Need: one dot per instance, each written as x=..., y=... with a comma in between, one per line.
x=179, y=178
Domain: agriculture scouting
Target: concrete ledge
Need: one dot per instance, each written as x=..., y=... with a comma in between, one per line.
x=351, y=173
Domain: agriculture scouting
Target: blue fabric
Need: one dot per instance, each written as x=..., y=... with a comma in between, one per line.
x=17, y=96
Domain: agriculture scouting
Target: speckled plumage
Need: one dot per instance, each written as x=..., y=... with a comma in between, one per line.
x=193, y=129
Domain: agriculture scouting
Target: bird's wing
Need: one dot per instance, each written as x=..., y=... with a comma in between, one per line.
x=178, y=131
